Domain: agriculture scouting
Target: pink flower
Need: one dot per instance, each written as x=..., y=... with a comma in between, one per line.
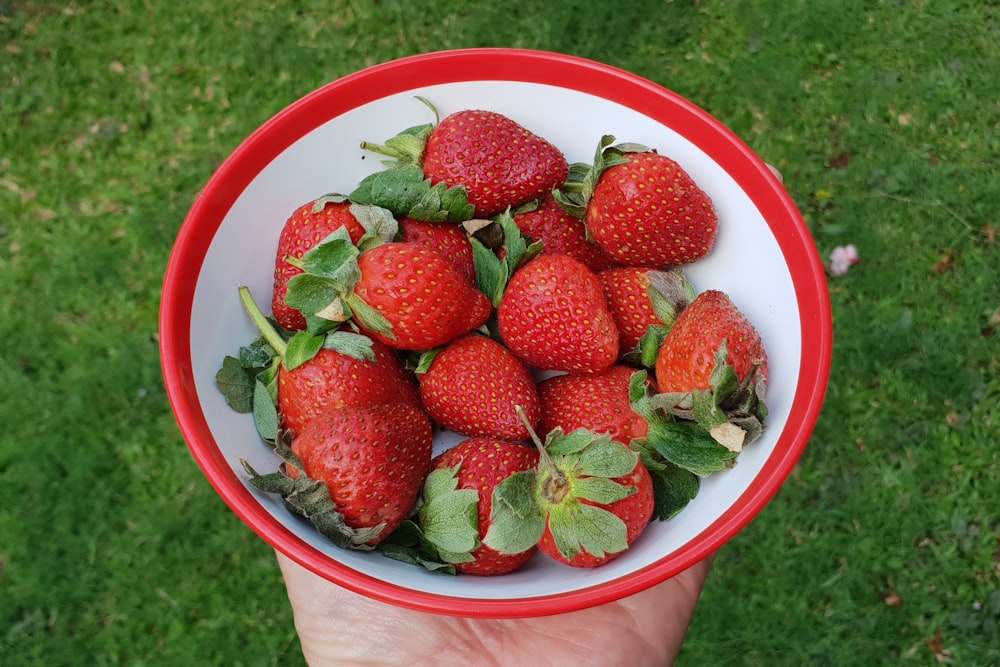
x=842, y=259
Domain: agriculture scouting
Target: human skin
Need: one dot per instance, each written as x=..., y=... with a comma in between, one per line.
x=339, y=627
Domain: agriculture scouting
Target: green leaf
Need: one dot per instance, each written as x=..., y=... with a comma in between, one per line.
x=601, y=490
x=302, y=347
x=311, y=294
x=311, y=499
x=257, y=355
x=265, y=413
x=577, y=527
x=649, y=345
x=413, y=555
x=443, y=204
x=236, y=384
x=517, y=523
x=705, y=411
x=606, y=458
x=491, y=271
x=673, y=488
x=689, y=446
x=449, y=516
x=368, y=317
x=559, y=444
x=335, y=258
x=379, y=224
x=669, y=294
x=356, y=346
x=403, y=191
x=723, y=380
x=600, y=531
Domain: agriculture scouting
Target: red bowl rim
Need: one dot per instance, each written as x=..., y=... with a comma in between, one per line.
x=509, y=64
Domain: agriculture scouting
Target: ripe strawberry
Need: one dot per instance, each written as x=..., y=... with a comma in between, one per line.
x=307, y=226
x=561, y=234
x=687, y=356
x=448, y=239
x=626, y=291
x=648, y=211
x=640, y=298
x=422, y=296
x=473, y=385
x=477, y=465
x=500, y=163
x=635, y=511
x=553, y=316
x=333, y=379
x=373, y=460
x=599, y=402
x=587, y=501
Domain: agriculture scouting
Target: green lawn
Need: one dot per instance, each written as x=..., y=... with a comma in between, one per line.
x=884, y=546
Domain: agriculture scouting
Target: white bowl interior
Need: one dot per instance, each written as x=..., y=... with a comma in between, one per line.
x=746, y=262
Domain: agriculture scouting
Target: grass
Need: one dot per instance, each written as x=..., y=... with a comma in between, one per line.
x=884, y=546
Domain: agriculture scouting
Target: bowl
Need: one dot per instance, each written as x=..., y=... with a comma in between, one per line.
x=764, y=258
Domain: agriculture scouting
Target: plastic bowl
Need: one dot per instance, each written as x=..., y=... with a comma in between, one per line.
x=764, y=258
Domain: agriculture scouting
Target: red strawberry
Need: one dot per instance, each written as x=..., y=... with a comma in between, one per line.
x=473, y=385
x=422, y=296
x=598, y=402
x=500, y=163
x=648, y=211
x=333, y=379
x=561, y=234
x=372, y=458
x=687, y=356
x=635, y=511
x=448, y=239
x=553, y=316
x=587, y=501
x=626, y=291
x=640, y=298
x=479, y=465
x=308, y=225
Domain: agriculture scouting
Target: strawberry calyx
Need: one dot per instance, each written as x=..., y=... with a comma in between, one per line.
x=494, y=268
x=324, y=290
x=310, y=499
x=669, y=294
x=565, y=495
x=703, y=431
x=249, y=382
x=402, y=187
x=575, y=194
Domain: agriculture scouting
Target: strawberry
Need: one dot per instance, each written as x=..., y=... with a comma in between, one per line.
x=553, y=316
x=448, y=239
x=634, y=510
x=645, y=210
x=640, y=298
x=305, y=228
x=355, y=471
x=420, y=295
x=709, y=324
x=598, y=402
x=333, y=379
x=459, y=488
x=493, y=163
x=587, y=501
x=711, y=369
x=561, y=233
x=500, y=163
x=472, y=386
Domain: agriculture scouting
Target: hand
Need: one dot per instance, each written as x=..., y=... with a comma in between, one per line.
x=339, y=627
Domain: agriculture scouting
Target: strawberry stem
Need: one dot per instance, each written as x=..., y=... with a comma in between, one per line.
x=557, y=480
x=269, y=333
